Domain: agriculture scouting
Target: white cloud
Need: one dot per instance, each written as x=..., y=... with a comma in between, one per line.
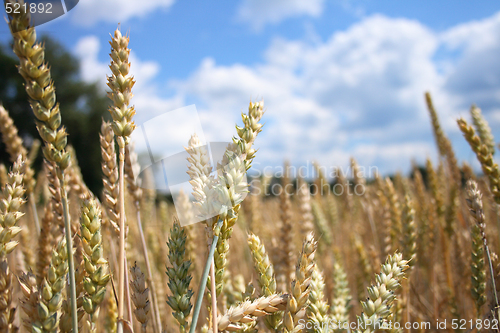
x=258, y=13
x=476, y=75
x=360, y=88
x=359, y=93
x=90, y=12
x=147, y=99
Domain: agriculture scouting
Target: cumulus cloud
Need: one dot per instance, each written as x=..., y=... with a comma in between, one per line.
x=90, y=12
x=363, y=87
x=476, y=74
x=258, y=13
x=149, y=98
x=359, y=93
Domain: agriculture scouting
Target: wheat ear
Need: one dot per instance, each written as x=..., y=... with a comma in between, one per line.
x=306, y=216
x=321, y=223
x=202, y=183
x=225, y=197
x=265, y=271
x=248, y=311
x=30, y=299
x=40, y=88
x=317, y=309
x=109, y=167
x=482, y=128
x=284, y=267
x=51, y=291
x=10, y=205
x=475, y=204
x=395, y=210
x=300, y=287
x=140, y=296
x=45, y=243
x=439, y=135
x=341, y=296
x=179, y=278
x=14, y=146
x=121, y=83
x=446, y=150
x=381, y=294
x=483, y=154
x=7, y=313
x=409, y=244
x=95, y=264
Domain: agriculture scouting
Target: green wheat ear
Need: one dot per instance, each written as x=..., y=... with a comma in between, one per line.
x=179, y=277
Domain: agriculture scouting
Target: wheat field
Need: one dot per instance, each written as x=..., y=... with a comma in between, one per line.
x=396, y=254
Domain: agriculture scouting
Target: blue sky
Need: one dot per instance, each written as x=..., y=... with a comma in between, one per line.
x=339, y=78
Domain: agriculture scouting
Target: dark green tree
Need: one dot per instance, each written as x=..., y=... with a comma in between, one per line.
x=83, y=106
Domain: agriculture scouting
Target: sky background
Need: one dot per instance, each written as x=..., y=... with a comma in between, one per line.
x=340, y=78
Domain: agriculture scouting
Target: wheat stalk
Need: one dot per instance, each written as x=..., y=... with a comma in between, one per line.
x=121, y=83
x=284, y=267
